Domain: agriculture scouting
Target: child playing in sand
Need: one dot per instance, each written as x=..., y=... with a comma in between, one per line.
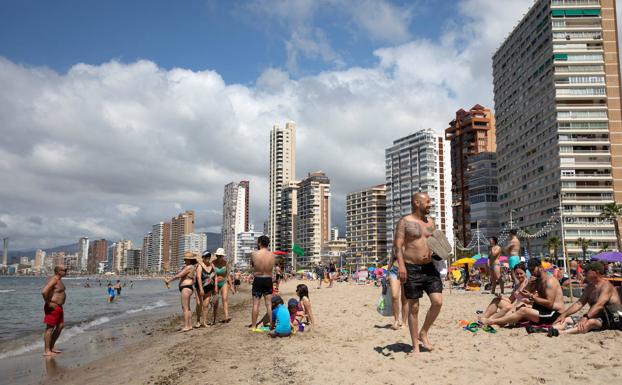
x=295, y=315
x=111, y=293
x=280, y=319
x=305, y=303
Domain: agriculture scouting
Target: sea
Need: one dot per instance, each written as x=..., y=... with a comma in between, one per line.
x=86, y=309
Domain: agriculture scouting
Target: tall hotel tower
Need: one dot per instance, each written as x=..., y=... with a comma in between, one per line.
x=282, y=171
x=419, y=162
x=234, y=216
x=559, y=129
x=181, y=226
x=313, y=221
x=474, y=173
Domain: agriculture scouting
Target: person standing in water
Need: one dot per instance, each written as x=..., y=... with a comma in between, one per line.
x=54, y=297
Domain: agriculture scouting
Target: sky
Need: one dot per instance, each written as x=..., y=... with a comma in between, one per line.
x=116, y=115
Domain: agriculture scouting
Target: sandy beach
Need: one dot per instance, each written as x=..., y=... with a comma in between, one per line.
x=353, y=344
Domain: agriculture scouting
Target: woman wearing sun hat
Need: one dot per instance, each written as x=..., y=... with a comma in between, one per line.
x=223, y=282
x=186, y=287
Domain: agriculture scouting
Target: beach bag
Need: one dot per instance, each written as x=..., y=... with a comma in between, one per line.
x=385, y=305
x=613, y=313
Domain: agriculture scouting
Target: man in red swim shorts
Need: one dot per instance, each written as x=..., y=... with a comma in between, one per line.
x=54, y=296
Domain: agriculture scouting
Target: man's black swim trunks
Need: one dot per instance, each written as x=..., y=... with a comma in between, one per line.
x=262, y=286
x=420, y=278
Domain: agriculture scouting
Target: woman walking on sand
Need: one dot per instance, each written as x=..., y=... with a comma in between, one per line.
x=186, y=283
x=205, y=285
x=397, y=296
x=223, y=283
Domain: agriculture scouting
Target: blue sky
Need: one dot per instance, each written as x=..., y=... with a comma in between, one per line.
x=238, y=39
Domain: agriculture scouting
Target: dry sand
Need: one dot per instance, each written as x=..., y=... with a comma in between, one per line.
x=353, y=344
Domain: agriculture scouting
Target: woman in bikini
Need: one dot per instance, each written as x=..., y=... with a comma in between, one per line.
x=304, y=305
x=186, y=285
x=500, y=306
x=223, y=283
x=206, y=288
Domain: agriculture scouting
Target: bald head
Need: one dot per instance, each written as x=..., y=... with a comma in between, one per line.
x=421, y=203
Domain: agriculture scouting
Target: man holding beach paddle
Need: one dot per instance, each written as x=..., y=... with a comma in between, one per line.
x=416, y=269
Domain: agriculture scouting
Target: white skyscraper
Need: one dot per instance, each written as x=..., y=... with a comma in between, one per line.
x=234, y=215
x=419, y=162
x=83, y=253
x=282, y=171
x=119, y=254
x=246, y=243
x=313, y=222
x=194, y=242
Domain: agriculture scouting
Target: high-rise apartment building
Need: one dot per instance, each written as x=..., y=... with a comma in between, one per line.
x=559, y=129
x=194, y=242
x=366, y=225
x=313, y=222
x=419, y=163
x=282, y=171
x=145, y=253
x=98, y=253
x=288, y=220
x=181, y=225
x=470, y=134
x=83, y=253
x=160, y=248
x=234, y=215
x=246, y=244
x=5, y=251
x=39, y=260
x=119, y=255
x=132, y=258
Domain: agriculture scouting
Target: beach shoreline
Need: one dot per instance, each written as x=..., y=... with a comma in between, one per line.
x=352, y=344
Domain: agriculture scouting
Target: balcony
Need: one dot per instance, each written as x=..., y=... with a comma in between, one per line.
x=574, y=3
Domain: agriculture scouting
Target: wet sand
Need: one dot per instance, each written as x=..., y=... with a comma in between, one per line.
x=353, y=344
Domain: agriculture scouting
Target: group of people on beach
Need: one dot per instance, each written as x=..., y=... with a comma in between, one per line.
x=209, y=279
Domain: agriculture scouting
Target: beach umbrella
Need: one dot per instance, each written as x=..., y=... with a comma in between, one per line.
x=301, y=271
x=379, y=272
x=371, y=268
x=503, y=258
x=477, y=256
x=462, y=261
x=546, y=265
x=608, y=256
x=386, y=267
x=279, y=253
x=481, y=262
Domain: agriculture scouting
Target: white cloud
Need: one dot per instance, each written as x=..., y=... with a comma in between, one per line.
x=108, y=150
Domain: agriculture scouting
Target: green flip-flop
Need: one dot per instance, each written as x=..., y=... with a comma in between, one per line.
x=489, y=329
x=473, y=327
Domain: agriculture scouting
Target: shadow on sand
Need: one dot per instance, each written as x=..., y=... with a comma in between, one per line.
x=398, y=347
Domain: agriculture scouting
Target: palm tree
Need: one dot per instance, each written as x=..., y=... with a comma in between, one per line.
x=584, y=244
x=604, y=248
x=553, y=243
x=613, y=211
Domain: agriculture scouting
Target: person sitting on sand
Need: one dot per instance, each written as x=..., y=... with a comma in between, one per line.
x=305, y=304
x=604, y=301
x=547, y=299
x=280, y=325
x=186, y=284
x=294, y=318
x=501, y=305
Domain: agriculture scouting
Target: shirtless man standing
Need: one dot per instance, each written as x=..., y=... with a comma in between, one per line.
x=513, y=251
x=543, y=292
x=54, y=297
x=415, y=268
x=495, y=266
x=262, y=262
x=598, y=293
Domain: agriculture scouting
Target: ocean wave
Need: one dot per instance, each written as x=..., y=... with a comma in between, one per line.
x=7, y=290
x=73, y=331
x=156, y=305
x=67, y=334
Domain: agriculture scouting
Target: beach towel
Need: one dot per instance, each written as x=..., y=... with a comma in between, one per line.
x=439, y=244
x=385, y=305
